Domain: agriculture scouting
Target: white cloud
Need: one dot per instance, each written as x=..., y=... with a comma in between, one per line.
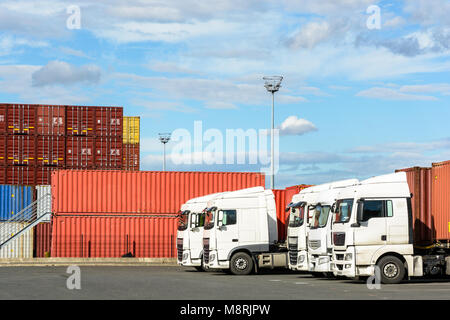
x=314, y=91
x=310, y=35
x=59, y=72
x=292, y=125
x=392, y=94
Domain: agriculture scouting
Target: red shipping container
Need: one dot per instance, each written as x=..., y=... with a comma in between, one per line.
x=80, y=121
x=114, y=236
x=3, y=154
x=51, y=151
x=51, y=120
x=20, y=175
x=108, y=121
x=80, y=152
x=280, y=201
x=3, y=110
x=42, y=239
x=108, y=152
x=21, y=150
x=291, y=191
x=43, y=174
x=440, y=173
x=144, y=192
x=21, y=119
x=131, y=155
x=419, y=182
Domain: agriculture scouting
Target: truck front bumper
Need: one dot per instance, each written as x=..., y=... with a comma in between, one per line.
x=343, y=263
x=212, y=261
x=298, y=260
x=188, y=261
x=320, y=263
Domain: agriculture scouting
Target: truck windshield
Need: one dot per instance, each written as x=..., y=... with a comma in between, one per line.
x=343, y=210
x=320, y=216
x=296, y=217
x=183, y=219
x=209, y=219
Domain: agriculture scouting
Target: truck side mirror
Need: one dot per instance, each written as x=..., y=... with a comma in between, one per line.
x=333, y=208
x=220, y=218
x=193, y=220
x=359, y=214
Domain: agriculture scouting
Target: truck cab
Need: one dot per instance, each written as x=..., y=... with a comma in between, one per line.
x=372, y=227
x=298, y=226
x=190, y=232
x=240, y=227
x=320, y=245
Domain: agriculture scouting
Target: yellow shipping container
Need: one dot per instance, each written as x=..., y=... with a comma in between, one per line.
x=131, y=130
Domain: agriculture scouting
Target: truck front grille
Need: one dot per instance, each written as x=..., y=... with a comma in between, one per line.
x=314, y=244
x=206, y=250
x=180, y=249
x=293, y=257
x=339, y=238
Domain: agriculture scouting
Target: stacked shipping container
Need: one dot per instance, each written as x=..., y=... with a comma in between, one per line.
x=37, y=139
x=131, y=143
x=440, y=180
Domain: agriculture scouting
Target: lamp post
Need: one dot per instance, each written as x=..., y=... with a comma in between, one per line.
x=164, y=138
x=272, y=84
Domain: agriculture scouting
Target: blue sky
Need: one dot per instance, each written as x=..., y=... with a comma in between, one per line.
x=354, y=102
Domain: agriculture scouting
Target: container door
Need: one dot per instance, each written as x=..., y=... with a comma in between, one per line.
x=227, y=233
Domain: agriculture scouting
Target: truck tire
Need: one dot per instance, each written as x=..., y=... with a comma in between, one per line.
x=241, y=264
x=392, y=270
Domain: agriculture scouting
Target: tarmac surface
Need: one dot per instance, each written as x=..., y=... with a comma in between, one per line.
x=176, y=283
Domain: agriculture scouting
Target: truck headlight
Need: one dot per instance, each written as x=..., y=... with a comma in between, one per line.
x=348, y=257
x=323, y=260
x=185, y=256
x=212, y=257
x=348, y=266
x=301, y=258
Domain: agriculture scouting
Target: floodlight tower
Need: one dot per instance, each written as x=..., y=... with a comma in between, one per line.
x=164, y=138
x=272, y=84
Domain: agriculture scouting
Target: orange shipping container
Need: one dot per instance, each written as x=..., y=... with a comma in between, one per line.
x=144, y=192
x=114, y=236
x=419, y=181
x=440, y=176
x=280, y=201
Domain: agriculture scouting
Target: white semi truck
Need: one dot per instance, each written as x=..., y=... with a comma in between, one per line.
x=373, y=233
x=320, y=244
x=301, y=209
x=240, y=233
x=190, y=232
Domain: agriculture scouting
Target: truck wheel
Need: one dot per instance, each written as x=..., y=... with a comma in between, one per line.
x=241, y=264
x=392, y=270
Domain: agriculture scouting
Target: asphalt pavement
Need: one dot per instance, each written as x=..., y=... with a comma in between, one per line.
x=176, y=283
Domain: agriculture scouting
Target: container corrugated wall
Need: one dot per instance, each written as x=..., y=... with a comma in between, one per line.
x=13, y=199
x=441, y=199
x=419, y=182
x=143, y=192
x=42, y=239
x=280, y=201
x=21, y=247
x=291, y=191
x=44, y=204
x=114, y=236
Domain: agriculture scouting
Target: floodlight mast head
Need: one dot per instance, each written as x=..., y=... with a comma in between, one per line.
x=164, y=137
x=272, y=83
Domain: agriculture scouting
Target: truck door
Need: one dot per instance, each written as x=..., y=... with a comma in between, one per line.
x=227, y=233
x=372, y=220
x=196, y=235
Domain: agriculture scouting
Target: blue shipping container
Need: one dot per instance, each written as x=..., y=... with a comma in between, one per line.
x=13, y=199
